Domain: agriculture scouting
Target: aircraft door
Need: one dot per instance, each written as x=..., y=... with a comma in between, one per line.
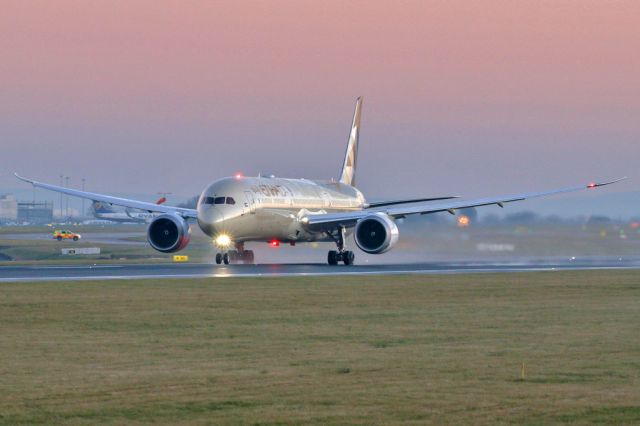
x=249, y=202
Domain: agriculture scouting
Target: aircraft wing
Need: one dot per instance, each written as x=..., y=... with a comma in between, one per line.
x=385, y=203
x=348, y=219
x=124, y=202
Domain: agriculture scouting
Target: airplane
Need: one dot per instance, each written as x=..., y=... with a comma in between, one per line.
x=104, y=211
x=239, y=209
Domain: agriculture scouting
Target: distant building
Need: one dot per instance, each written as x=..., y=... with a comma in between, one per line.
x=35, y=213
x=8, y=208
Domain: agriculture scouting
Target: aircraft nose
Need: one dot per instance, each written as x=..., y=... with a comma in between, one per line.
x=210, y=220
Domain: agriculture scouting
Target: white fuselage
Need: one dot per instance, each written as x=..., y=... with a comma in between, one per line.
x=269, y=208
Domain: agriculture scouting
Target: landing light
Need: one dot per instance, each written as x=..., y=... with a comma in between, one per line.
x=463, y=221
x=223, y=240
x=238, y=175
x=591, y=185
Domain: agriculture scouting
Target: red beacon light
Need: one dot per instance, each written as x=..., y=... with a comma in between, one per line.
x=591, y=185
x=274, y=243
x=238, y=175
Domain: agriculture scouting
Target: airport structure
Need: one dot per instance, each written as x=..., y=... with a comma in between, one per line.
x=36, y=213
x=8, y=208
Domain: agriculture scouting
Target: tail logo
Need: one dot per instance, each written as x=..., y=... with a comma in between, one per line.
x=348, y=175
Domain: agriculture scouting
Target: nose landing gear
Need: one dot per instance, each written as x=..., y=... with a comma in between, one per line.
x=240, y=255
x=340, y=255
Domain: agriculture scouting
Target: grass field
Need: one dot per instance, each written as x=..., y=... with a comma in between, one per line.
x=412, y=349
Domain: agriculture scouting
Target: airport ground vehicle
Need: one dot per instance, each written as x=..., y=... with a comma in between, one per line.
x=65, y=235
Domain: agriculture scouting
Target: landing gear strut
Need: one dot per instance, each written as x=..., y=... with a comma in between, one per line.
x=235, y=256
x=341, y=255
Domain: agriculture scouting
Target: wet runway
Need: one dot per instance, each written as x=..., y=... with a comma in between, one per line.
x=191, y=270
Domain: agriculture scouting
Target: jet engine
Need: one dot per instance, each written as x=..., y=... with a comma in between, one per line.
x=376, y=233
x=168, y=233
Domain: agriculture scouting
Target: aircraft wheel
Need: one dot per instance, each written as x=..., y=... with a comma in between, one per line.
x=248, y=256
x=219, y=258
x=348, y=257
x=225, y=258
x=59, y=238
x=75, y=238
x=332, y=257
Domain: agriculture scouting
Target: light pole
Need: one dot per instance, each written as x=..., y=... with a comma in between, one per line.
x=61, y=184
x=67, y=199
x=82, y=212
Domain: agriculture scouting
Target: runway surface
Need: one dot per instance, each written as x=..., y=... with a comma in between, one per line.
x=190, y=270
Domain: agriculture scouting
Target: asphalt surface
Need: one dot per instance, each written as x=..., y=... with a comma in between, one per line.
x=191, y=270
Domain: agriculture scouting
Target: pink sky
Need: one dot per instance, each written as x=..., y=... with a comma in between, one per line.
x=471, y=98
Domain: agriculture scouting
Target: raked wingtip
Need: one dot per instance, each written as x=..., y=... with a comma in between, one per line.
x=24, y=179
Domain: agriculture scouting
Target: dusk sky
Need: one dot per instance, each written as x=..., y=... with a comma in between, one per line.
x=470, y=98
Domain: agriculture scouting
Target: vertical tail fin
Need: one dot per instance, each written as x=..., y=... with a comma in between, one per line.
x=348, y=175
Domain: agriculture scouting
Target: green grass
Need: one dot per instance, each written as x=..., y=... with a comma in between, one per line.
x=416, y=349
x=49, y=252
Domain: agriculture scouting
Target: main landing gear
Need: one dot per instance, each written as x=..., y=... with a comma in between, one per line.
x=240, y=255
x=340, y=255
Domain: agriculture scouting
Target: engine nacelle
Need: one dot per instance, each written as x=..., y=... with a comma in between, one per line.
x=168, y=233
x=376, y=233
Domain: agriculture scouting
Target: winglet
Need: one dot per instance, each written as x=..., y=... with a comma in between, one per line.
x=598, y=184
x=23, y=178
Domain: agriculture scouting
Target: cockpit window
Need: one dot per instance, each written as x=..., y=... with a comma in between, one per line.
x=218, y=200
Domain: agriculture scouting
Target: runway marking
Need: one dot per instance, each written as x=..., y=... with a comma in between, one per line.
x=314, y=274
x=73, y=267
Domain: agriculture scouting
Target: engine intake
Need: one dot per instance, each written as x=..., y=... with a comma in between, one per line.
x=376, y=233
x=168, y=233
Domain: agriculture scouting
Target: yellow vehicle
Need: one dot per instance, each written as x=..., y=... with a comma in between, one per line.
x=65, y=235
